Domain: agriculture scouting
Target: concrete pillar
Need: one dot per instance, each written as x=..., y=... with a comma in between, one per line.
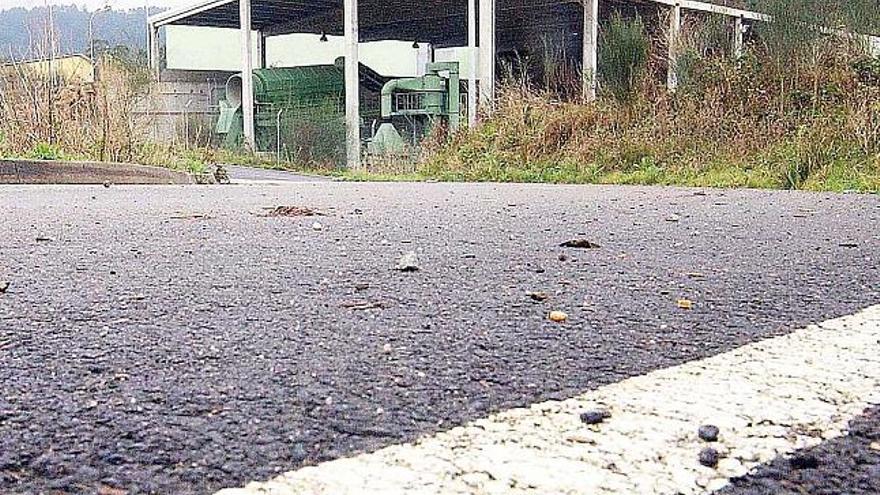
x=352, y=87
x=672, y=40
x=153, y=33
x=738, y=31
x=487, y=54
x=261, y=50
x=247, y=75
x=591, y=49
x=473, y=54
x=423, y=57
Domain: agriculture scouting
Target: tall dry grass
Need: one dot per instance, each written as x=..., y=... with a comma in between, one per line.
x=41, y=112
x=801, y=109
x=47, y=113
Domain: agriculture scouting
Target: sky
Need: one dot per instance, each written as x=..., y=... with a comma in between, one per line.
x=93, y=4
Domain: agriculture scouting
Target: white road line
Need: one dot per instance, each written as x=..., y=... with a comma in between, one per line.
x=768, y=398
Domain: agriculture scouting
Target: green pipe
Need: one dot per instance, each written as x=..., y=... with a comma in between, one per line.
x=453, y=103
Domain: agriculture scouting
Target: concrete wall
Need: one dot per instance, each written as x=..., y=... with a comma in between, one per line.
x=201, y=48
x=184, y=106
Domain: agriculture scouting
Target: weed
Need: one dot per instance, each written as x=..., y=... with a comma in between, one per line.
x=45, y=151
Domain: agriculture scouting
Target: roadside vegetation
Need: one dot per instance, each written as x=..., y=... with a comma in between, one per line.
x=47, y=118
x=799, y=110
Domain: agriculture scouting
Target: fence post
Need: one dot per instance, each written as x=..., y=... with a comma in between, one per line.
x=673, y=40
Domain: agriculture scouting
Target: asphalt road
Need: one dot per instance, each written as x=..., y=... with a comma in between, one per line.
x=846, y=465
x=173, y=340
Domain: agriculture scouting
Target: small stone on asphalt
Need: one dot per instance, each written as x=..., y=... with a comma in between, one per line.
x=292, y=211
x=409, y=262
x=538, y=296
x=4, y=286
x=317, y=226
x=708, y=433
x=709, y=457
x=580, y=244
x=595, y=416
x=558, y=316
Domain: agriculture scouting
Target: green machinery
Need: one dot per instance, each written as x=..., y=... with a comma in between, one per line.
x=291, y=102
x=289, y=99
x=411, y=107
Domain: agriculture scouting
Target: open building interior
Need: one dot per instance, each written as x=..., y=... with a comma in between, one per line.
x=519, y=37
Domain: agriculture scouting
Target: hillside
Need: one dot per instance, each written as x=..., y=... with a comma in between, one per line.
x=22, y=29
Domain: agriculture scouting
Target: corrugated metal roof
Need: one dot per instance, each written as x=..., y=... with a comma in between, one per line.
x=441, y=22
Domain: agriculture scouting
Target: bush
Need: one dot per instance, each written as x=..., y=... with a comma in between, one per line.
x=46, y=151
x=623, y=56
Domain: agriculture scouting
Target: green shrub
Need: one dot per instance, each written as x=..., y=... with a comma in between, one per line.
x=623, y=56
x=46, y=151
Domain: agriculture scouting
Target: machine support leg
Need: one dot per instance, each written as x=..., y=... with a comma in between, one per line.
x=247, y=75
x=472, y=66
x=352, y=87
x=672, y=41
x=487, y=54
x=591, y=48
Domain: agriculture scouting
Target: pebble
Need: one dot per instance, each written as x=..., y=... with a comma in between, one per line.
x=708, y=433
x=709, y=457
x=595, y=416
x=4, y=286
x=409, y=262
x=538, y=296
x=875, y=446
x=580, y=244
x=317, y=226
x=558, y=316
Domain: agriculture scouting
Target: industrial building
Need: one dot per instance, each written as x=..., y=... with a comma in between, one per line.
x=73, y=69
x=488, y=30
